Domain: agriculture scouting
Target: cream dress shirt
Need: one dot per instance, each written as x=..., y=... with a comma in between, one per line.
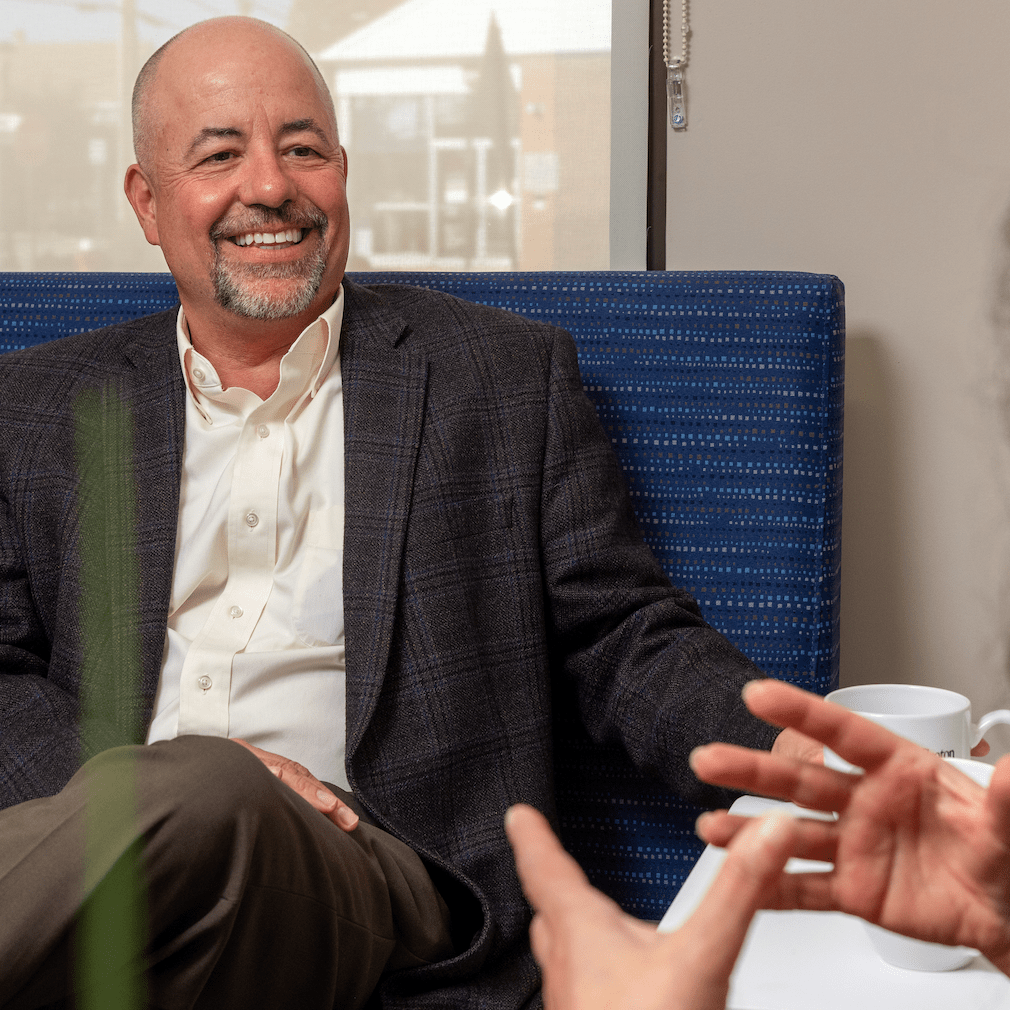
x=255, y=645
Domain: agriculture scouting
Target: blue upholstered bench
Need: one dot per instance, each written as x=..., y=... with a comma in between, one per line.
x=722, y=396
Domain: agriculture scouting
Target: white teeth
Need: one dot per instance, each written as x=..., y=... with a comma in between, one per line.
x=266, y=238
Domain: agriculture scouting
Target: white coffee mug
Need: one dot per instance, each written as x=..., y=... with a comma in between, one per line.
x=938, y=719
x=920, y=955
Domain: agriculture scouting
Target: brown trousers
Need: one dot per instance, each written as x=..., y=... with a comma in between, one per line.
x=254, y=899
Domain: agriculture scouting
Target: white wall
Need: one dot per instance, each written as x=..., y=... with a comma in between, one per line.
x=871, y=139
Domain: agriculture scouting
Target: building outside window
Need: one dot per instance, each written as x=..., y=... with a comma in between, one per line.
x=478, y=134
x=477, y=131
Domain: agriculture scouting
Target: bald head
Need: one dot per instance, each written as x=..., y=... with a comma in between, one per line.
x=241, y=178
x=200, y=42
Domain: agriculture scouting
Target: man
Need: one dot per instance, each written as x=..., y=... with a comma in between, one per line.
x=372, y=526
x=918, y=848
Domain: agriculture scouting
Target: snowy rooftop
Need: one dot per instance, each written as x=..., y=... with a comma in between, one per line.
x=425, y=29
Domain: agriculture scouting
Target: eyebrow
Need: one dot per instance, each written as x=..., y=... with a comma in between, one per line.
x=304, y=126
x=209, y=133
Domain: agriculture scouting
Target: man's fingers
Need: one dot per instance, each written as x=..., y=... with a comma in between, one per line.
x=792, y=744
x=770, y=775
x=856, y=739
x=548, y=874
x=342, y=815
x=315, y=793
x=303, y=782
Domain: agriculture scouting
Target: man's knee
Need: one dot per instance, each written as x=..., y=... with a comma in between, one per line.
x=203, y=758
x=192, y=786
x=212, y=779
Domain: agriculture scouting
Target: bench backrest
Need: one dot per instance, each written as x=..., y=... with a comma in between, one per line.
x=722, y=395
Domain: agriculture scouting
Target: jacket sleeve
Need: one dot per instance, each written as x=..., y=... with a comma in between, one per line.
x=651, y=675
x=42, y=603
x=39, y=738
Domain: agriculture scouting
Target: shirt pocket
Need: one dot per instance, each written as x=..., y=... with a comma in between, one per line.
x=319, y=593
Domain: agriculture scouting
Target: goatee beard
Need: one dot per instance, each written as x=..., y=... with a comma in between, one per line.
x=235, y=284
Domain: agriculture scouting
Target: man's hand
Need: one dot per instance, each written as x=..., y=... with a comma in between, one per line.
x=307, y=786
x=918, y=848
x=790, y=744
x=594, y=956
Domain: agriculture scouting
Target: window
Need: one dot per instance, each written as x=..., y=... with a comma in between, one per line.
x=478, y=131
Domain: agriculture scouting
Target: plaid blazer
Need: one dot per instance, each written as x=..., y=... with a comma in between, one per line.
x=490, y=550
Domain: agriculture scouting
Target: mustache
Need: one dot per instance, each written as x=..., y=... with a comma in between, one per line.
x=264, y=218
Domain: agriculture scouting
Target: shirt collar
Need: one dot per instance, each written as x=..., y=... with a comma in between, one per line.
x=304, y=367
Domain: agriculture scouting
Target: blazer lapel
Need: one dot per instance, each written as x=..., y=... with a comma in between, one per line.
x=384, y=385
x=153, y=387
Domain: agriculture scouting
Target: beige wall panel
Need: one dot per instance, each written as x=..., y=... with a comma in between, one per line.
x=871, y=139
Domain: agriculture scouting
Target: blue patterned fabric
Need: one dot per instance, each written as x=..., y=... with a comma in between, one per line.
x=722, y=396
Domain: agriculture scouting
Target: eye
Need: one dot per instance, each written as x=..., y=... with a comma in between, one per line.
x=303, y=152
x=219, y=156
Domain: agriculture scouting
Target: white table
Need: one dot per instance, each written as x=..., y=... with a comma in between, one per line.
x=824, y=961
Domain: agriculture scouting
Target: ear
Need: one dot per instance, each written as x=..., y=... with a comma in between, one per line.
x=140, y=193
x=343, y=160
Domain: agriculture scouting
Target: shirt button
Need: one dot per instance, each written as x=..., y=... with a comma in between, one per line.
x=251, y=519
x=205, y=683
x=236, y=612
x=263, y=431
x=199, y=374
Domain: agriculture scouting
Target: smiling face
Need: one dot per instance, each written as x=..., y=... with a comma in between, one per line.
x=242, y=180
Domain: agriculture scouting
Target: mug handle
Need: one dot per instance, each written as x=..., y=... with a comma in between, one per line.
x=996, y=718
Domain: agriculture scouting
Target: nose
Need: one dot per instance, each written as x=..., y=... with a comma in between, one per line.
x=264, y=180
